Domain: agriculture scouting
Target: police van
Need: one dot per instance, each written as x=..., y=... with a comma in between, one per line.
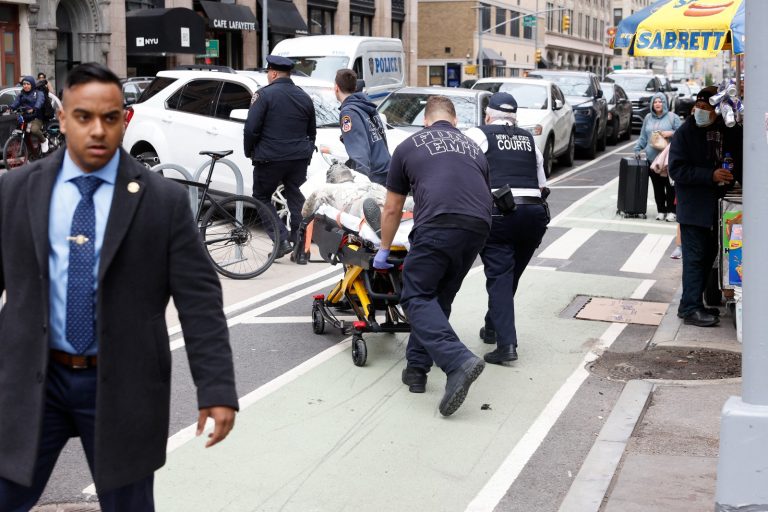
x=380, y=61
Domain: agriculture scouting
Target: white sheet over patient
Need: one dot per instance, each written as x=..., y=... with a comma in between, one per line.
x=359, y=226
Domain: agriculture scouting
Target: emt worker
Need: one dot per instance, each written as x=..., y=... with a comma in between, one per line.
x=279, y=138
x=92, y=247
x=448, y=176
x=516, y=163
x=699, y=149
x=362, y=131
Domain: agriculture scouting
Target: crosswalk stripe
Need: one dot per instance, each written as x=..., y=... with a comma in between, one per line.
x=564, y=247
x=647, y=254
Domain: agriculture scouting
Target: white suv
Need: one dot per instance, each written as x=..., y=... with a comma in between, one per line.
x=185, y=111
x=542, y=110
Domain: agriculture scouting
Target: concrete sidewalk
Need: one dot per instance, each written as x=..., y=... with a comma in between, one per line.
x=658, y=449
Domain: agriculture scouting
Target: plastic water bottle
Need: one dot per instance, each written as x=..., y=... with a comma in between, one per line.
x=727, y=165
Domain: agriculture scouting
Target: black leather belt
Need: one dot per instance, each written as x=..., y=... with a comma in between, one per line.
x=528, y=200
x=72, y=361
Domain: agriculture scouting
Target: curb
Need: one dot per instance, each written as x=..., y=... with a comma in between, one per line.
x=591, y=484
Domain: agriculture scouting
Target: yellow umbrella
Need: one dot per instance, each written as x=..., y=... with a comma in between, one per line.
x=683, y=28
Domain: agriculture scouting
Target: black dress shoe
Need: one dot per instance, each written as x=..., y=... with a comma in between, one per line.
x=488, y=335
x=284, y=248
x=415, y=379
x=457, y=384
x=701, y=318
x=501, y=355
x=710, y=311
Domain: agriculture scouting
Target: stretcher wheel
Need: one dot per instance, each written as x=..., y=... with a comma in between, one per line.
x=359, y=351
x=318, y=322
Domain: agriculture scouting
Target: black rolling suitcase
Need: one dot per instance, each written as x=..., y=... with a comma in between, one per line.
x=633, y=187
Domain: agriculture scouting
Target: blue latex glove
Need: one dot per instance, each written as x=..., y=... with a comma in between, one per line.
x=380, y=260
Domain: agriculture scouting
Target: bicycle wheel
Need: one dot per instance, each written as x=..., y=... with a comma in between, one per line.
x=236, y=236
x=14, y=152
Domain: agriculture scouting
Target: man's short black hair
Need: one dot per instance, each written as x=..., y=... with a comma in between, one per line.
x=91, y=72
x=346, y=79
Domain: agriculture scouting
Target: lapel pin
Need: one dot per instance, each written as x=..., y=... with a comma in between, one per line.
x=133, y=187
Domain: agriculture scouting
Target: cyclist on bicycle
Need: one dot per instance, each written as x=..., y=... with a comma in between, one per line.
x=31, y=101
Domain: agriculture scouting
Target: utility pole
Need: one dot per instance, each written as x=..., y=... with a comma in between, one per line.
x=602, y=51
x=742, y=482
x=480, y=41
x=264, y=39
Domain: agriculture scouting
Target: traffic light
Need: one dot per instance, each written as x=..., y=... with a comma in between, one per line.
x=611, y=31
x=538, y=55
x=566, y=22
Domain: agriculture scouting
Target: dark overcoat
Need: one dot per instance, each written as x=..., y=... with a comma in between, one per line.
x=151, y=251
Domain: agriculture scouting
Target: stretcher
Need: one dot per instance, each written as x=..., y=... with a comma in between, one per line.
x=373, y=295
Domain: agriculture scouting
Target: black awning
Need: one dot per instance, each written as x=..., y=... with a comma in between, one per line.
x=229, y=16
x=284, y=18
x=493, y=58
x=161, y=31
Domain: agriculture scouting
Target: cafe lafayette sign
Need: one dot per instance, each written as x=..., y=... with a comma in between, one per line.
x=233, y=24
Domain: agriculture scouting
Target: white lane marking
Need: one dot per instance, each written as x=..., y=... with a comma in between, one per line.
x=539, y=267
x=564, y=214
x=562, y=187
x=647, y=254
x=290, y=319
x=500, y=482
x=657, y=225
x=641, y=290
x=303, y=293
x=564, y=247
x=587, y=164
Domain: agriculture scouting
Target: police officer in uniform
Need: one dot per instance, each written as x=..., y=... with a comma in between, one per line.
x=448, y=176
x=516, y=162
x=279, y=137
x=362, y=131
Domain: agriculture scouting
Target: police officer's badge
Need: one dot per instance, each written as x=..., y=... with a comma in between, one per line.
x=346, y=124
x=254, y=98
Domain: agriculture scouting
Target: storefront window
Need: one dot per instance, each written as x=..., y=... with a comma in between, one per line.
x=320, y=21
x=436, y=75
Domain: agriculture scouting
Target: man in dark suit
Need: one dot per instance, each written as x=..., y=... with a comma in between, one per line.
x=92, y=246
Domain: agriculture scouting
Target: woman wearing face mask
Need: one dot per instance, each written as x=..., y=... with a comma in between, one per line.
x=695, y=163
x=659, y=119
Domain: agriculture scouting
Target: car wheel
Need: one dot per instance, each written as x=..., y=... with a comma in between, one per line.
x=569, y=156
x=614, y=133
x=549, y=156
x=601, y=141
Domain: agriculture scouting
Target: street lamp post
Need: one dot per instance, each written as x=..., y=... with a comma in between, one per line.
x=480, y=41
x=264, y=39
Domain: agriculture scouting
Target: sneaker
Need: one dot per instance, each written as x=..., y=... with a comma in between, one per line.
x=372, y=214
x=671, y=217
x=457, y=384
x=677, y=253
x=661, y=216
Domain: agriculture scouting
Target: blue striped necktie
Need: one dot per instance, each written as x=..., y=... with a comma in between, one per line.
x=81, y=307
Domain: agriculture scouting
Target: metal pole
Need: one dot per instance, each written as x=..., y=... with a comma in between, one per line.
x=536, y=37
x=480, y=41
x=742, y=482
x=264, y=38
x=602, y=51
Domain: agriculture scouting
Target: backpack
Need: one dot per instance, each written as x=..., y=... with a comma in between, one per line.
x=47, y=111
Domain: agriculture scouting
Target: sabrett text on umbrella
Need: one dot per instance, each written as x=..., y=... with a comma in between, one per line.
x=704, y=40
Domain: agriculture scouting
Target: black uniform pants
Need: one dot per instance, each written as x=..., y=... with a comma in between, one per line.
x=436, y=264
x=510, y=246
x=699, y=252
x=267, y=176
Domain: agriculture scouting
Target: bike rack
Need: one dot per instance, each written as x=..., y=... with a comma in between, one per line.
x=193, y=199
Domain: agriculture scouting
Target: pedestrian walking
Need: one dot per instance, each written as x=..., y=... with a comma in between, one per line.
x=699, y=149
x=517, y=180
x=31, y=101
x=279, y=138
x=658, y=127
x=92, y=247
x=362, y=131
x=448, y=176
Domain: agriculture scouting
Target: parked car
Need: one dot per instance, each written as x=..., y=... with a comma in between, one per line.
x=619, y=112
x=640, y=88
x=542, y=110
x=686, y=97
x=133, y=87
x=196, y=108
x=582, y=90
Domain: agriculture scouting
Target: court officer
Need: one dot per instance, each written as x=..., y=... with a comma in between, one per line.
x=448, y=176
x=279, y=138
x=516, y=163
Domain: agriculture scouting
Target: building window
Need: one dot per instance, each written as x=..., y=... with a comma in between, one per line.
x=436, y=75
x=602, y=29
x=500, y=72
x=360, y=25
x=515, y=72
x=550, y=16
x=586, y=28
x=515, y=24
x=485, y=17
x=580, y=26
x=560, y=21
x=617, y=15
x=594, y=29
x=320, y=21
x=135, y=5
x=397, y=29
x=570, y=25
x=501, y=17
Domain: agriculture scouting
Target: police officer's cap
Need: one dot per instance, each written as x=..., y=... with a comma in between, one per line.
x=279, y=63
x=503, y=102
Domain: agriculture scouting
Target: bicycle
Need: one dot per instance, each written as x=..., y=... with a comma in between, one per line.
x=22, y=146
x=240, y=233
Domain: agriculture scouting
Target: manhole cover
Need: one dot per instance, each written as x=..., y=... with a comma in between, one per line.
x=668, y=363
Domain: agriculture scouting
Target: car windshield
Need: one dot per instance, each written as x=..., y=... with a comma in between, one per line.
x=607, y=92
x=533, y=96
x=323, y=68
x=326, y=106
x=571, y=85
x=683, y=89
x=631, y=83
x=407, y=109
